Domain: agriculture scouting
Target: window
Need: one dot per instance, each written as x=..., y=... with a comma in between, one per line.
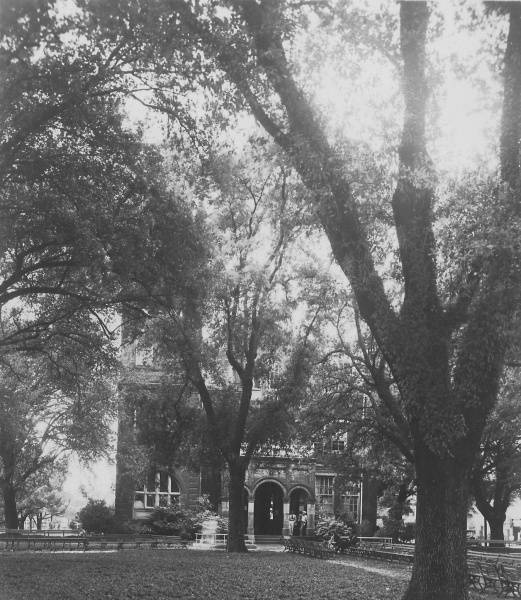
x=324, y=491
x=337, y=445
x=318, y=447
x=351, y=506
x=160, y=489
x=351, y=499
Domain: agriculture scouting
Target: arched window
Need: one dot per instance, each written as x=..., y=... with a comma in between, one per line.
x=160, y=489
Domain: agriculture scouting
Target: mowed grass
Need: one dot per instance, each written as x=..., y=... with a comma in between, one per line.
x=184, y=574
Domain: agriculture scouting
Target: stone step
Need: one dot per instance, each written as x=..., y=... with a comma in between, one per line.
x=269, y=539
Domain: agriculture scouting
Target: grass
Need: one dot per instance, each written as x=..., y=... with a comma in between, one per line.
x=183, y=575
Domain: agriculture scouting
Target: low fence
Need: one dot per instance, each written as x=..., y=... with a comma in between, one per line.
x=494, y=545
x=386, y=541
x=26, y=542
x=41, y=532
x=211, y=539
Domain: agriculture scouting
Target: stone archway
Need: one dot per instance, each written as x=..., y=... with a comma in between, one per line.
x=268, y=509
x=300, y=501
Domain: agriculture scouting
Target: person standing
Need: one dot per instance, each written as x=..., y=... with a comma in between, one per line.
x=298, y=523
x=292, y=519
x=303, y=523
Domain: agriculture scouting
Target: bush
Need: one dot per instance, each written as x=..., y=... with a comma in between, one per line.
x=398, y=530
x=409, y=532
x=367, y=529
x=392, y=528
x=183, y=521
x=328, y=526
x=97, y=517
x=170, y=521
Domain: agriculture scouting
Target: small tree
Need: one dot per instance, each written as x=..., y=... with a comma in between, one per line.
x=49, y=407
x=230, y=333
x=496, y=478
x=96, y=517
x=40, y=499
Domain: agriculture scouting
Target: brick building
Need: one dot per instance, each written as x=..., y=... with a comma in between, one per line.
x=278, y=482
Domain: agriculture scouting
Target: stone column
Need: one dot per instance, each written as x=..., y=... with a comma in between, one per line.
x=311, y=516
x=285, y=517
x=224, y=508
x=251, y=510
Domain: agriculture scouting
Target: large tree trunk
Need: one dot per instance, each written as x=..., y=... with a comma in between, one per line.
x=236, y=525
x=494, y=512
x=10, y=510
x=440, y=568
x=496, y=527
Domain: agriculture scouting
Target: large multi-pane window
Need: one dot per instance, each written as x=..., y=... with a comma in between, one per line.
x=325, y=485
x=159, y=489
x=351, y=499
x=337, y=445
x=329, y=445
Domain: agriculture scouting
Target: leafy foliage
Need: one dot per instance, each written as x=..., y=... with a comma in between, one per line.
x=496, y=478
x=329, y=526
x=50, y=408
x=97, y=517
x=184, y=521
x=40, y=499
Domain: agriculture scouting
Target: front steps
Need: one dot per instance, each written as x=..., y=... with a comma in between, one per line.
x=268, y=540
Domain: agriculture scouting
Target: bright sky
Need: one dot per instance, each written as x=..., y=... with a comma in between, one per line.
x=361, y=101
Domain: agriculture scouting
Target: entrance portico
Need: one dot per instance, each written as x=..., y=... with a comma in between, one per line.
x=270, y=503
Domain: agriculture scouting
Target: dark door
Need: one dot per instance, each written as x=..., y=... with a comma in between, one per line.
x=268, y=509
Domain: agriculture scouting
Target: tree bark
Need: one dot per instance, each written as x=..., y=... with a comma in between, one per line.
x=496, y=526
x=493, y=506
x=10, y=510
x=236, y=529
x=440, y=567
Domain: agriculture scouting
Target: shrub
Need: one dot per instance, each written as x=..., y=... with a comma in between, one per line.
x=367, y=529
x=183, y=521
x=409, y=532
x=398, y=530
x=392, y=528
x=328, y=526
x=97, y=517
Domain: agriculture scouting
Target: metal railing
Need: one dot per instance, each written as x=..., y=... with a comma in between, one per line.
x=41, y=532
x=376, y=540
x=87, y=542
x=211, y=539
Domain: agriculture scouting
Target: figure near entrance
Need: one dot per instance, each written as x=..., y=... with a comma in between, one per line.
x=268, y=509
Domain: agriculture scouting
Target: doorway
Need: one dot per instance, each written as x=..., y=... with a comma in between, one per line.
x=298, y=501
x=268, y=509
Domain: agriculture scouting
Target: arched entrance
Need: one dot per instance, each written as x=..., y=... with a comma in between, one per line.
x=298, y=504
x=298, y=501
x=268, y=509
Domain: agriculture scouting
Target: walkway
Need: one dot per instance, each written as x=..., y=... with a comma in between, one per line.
x=399, y=572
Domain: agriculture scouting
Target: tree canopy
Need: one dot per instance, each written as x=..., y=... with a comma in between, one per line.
x=432, y=261
x=445, y=352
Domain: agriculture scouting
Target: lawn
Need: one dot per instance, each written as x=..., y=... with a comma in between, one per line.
x=184, y=574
